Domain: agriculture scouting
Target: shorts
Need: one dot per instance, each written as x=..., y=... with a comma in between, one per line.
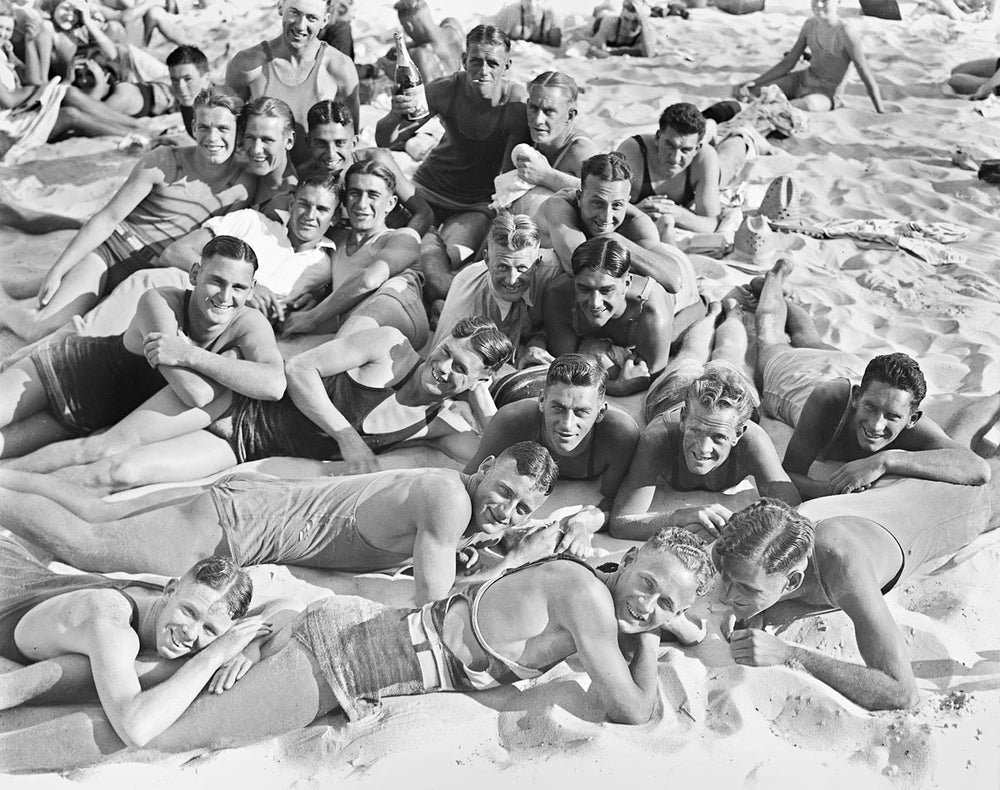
x=93, y=382
x=791, y=374
x=444, y=208
x=156, y=99
x=124, y=253
x=308, y=522
x=404, y=292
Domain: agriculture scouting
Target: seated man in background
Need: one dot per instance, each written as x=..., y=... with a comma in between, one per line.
x=629, y=32
x=201, y=344
x=573, y=421
x=874, y=428
x=507, y=287
x=530, y=20
x=436, y=49
x=188, y=68
x=699, y=437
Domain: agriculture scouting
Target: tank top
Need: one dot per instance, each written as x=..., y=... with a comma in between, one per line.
x=646, y=188
x=265, y=429
x=180, y=204
x=345, y=265
x=461, y=168
x=300, y=97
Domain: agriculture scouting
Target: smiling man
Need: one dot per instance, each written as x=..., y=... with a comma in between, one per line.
x=484, y=116
x=297, y=67
x=873, y=429
x=199, y=343
x=573, y=421
x=46, y=616
x=507, y=287
x=352, y=523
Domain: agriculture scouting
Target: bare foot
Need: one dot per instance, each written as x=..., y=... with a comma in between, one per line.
x=782, y=268
x=961, y=158
x=732, y=306
x=714, y=310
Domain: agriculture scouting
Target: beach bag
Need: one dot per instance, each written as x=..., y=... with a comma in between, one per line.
x=739, y=7
x=989, y=171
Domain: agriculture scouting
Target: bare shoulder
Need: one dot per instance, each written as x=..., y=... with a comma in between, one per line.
x=337, y=63
x=246, y=60
x=581, y=596
x=520, y=420
x=618, y=431
x=517, y=92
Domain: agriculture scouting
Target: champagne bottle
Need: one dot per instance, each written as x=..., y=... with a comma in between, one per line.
x=408, y=79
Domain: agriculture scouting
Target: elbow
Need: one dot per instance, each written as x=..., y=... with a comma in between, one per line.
x=134, y=731
x=983, y=473
x=901, y=698
x=274, y=386
x=372, y=280
x=196, y=396
x=297, y=372
x=617, y=528
x=639, y=712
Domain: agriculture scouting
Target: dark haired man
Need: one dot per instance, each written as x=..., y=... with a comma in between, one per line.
x=587, y=438
x=199, y=342
x=873, y=429
x=46, y=617
x=353, y=523
x=188, y=69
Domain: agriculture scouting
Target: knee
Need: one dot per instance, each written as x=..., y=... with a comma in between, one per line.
x=120, y=474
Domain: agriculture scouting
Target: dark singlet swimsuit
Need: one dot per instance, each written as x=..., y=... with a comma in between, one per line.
x=459, y=171
x=258, y=429
x=646, y=189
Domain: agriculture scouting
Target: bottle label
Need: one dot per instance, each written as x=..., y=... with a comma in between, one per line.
x=420, y=97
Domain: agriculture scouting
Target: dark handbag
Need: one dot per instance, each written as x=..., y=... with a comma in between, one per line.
x=989, y=171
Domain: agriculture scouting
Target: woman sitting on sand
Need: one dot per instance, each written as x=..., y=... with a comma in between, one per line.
x=558, y=148
x=604, y=309
x=834, y=47
x=976, y=79
x=169, y=193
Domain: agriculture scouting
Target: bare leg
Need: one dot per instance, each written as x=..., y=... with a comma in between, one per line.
x=814, y=102
x=168, y=540
x=99, y=111
x=79, y=290
x=158, y=18
x=770, y=316
x=976, y=424
x=732, y=156
x=801, y=328
x=186, y=457
x=435, y=265
x=24, y=423
x=463, y=235
x=163, y=416
x=731, y=338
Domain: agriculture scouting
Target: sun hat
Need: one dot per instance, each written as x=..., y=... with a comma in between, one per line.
x=781, y=201
x=754, y=243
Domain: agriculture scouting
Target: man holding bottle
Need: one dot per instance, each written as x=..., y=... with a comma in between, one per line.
x=484, y=115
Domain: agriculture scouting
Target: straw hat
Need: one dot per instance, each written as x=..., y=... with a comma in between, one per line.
x=754, y=242
x=781, y=201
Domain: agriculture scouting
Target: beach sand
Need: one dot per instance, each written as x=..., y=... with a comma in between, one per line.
x=723, y=725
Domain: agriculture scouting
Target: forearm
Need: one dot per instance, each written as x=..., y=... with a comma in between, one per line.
x=870, y=688
x=784, y=66
x=643, y=669
x=306, y=390
x=345, y=298
x=639, y=526
x=698, y=223
x=784, y=490
x=809, y=488
x=421, y=214
x=651, y=264
x=872, y=87
x=260, y=380
x=622, y=387
x=557, y=179
x=105, y=44
x=959, y=466
x=392, y=130
x=97, y=230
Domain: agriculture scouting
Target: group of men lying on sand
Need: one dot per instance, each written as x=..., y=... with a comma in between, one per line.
x=162, y=382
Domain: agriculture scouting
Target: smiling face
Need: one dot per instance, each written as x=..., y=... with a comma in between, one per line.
x=313, y=209
x=221, y=287
x=193, y=617
x=651, y=589
x=550, y=114
x=6, y=28
x=267, y=142
x=503, y=497
x=331, y=146
x=825, y=9
x=569, y=414
x=65, y=16
x=881, y=413
x=368, y=200
x=485, y=66
x=302, y=21
x=214, y=133
x=452, y=367
x=603, y=205
x=509, y=270
x=186, y=82
x=748, y=589
x=708, y=436
x=599, y=295
x=676, y=151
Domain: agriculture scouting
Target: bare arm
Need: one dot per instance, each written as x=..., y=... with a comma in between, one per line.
x=500, y=433
x=421, y=215
x=623, y=439
x=763, y=463
x=564, y=229
x=787, y=63
x=442, y=512
x=854, y=48
x=630, y=516
x=394, y=128
x=650, y=257
x=809, y=438
x=558, y=302
x=237, y=73
x=184, y=252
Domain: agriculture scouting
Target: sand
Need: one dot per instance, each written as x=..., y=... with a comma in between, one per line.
x=723, y=725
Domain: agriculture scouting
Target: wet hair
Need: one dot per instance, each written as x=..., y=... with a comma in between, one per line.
x=409, y=8
x=232, y=248
x=722, y=388
x=607, y=167
x=487, y=35
x=226, y=577
x=328, y=111
x=557, y=80
x=689, y=551
x=900, y=372
x=684, y=118
x=514, y=231
x=577, y=370
x=269, y=107
x=493, y=346
x=769, y=532
x=320, y=180
x=371, y=167
x=184, y=54
x=219, y=97
x=534, y=462
x=603, y=254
